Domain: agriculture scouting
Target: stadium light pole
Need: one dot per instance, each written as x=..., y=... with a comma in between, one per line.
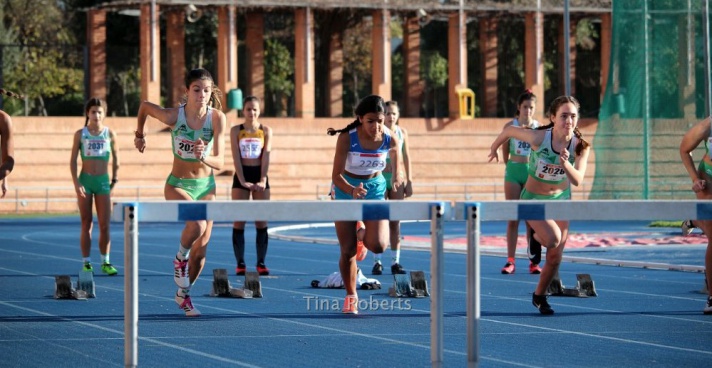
x=567, y=50
x=646, y=100
x=708, y=69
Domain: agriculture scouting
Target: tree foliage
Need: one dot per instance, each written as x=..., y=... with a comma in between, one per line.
x=279, y=73
x=358, y=58
x=48, y=65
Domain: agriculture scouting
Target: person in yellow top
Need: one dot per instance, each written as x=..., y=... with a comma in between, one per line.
x=95, y=143
x=251, y=145
x=198, y=136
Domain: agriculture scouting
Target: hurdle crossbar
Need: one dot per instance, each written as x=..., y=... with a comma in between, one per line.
x=294, y=211
x=438, y=212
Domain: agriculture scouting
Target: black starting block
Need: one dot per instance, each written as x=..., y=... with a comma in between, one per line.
x=222, y=287
x=585, y=287
x=63, y=289
x=414, y=287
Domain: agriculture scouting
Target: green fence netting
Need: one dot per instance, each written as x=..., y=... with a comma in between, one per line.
x=655, y=92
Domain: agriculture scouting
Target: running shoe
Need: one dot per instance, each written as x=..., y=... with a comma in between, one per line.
x=186, y=305
x=360, y=225
x=180, y=273
x=109, y=269
x=377, y=269
x=687, y=227
x=87, y=267
x=542, y=304
x=533, y=248
x=240, y=269
x=350, y=305
x=361, y=251
x=534, y=269
x=262, y=269
x=396, y=269
x=708, y=307
x=508, y=268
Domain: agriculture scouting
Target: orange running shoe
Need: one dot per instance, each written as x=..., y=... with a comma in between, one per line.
x=360, y=225
x=361, y=251
x=350, y=305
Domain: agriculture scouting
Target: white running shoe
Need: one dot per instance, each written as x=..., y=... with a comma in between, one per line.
x=186, y=305
x=180, y=273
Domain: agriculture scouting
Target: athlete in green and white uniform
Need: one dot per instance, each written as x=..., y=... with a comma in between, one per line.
x=95, y=144
x=198, y=141
x=558, y=160
x=516, y=155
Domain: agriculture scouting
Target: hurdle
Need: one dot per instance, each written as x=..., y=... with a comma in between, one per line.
x=131, y=213
x=437, y=212
x=596, y=210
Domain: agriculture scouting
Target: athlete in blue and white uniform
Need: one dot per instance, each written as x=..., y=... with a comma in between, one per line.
x=361, y=151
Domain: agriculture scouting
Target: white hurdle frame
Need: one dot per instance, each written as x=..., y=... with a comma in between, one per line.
x=594, y=210
x=437, y=212
x=290, y=211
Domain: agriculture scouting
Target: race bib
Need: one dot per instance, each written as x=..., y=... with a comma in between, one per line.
x=549, y=172
x=94, y=147
x=250, y=147
x=522, y=148
x=183, y=147
x=367, y=161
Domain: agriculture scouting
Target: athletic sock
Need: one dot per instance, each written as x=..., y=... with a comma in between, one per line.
x=395, y=256
x=183, y=253
x=238, y=244
x=261, y=240
x=105, y=258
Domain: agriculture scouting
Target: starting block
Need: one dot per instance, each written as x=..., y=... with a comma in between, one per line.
x=86, y=283
x=252, y=283
x=63, y=289
x=222, y=287
x=585, y=287
x=414, y=287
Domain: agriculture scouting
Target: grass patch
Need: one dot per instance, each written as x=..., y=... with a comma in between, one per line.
x=666, y=224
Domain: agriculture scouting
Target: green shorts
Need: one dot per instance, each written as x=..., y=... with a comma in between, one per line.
x=196, y=188
x=388, y=176
x=565, y=194
x=95, y=184
x=516, y=172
